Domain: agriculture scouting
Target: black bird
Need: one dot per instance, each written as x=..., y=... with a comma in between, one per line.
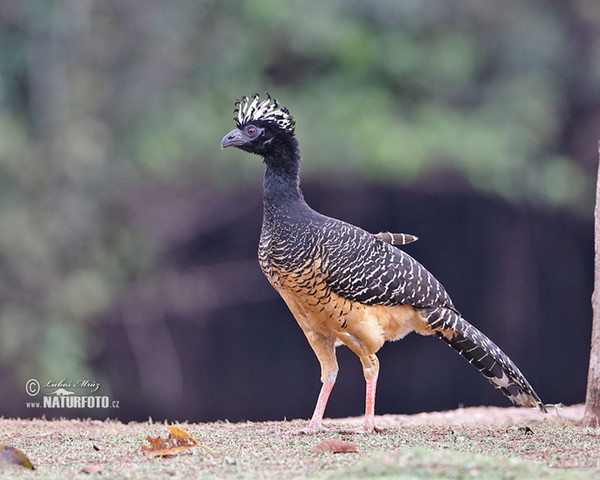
x=345, y=285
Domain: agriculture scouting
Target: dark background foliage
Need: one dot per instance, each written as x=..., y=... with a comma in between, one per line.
x=128, y=240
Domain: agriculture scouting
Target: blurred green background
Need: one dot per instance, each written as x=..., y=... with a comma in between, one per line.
x=106, y=104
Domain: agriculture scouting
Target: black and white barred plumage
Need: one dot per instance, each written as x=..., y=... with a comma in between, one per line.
x=376, y=273
x=396, y=238
x=367, y=271
x=483, y=354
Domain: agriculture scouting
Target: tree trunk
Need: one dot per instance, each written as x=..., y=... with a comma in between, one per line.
x=592, y=399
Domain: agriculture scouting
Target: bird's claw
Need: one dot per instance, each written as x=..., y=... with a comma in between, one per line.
x=310, y=431
x=364, y=430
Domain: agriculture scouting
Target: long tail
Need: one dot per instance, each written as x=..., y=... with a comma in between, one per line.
x=483, y=354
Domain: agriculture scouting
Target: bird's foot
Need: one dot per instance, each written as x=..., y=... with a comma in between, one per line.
x=365, y=429
x=311, y=429
x=317, y=427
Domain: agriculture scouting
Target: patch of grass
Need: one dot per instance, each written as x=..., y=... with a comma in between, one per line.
x=419, y=462
x=61, y=449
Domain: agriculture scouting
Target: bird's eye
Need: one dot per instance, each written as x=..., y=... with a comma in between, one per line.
x=251, y=130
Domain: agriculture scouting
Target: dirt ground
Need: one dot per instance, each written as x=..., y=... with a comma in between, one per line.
x=481, y=415
x=518, y=442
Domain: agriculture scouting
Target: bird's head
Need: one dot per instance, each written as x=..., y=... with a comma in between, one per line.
x=264, y=128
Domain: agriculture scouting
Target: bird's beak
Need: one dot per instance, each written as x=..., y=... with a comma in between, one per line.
x=232, y=139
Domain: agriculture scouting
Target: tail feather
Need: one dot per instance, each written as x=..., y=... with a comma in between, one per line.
x=396, y=238
x=483, y=354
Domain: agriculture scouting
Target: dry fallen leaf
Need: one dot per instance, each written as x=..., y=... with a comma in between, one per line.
x=336, y=446
x=177, y=442
x=91, y=469
x=14, y=456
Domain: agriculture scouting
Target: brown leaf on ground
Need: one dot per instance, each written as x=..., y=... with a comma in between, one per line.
x=177, y=442
x=91, y=469
x=336, y=446
x=14, y=456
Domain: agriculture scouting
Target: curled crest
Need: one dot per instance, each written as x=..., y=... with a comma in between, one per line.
x=250, y=109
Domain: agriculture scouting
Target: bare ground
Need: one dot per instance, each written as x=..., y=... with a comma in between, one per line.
x=481, y=415
x=472, y=442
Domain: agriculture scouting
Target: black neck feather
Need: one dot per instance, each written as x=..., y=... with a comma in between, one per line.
x=281, y=186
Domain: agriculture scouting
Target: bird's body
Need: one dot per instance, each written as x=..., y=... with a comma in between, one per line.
x=302, y=262
x=345, y=285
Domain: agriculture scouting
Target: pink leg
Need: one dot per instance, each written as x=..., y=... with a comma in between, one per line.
x=317, y=418
x=324, y=348
x=369, y=423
